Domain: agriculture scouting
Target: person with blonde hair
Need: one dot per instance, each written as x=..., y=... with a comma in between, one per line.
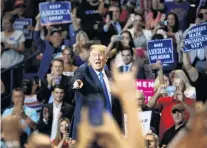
x=190, y=91
x=152, y=140
x=62, y=139
x=94, y=79
x=68, y=57
x=81, y=39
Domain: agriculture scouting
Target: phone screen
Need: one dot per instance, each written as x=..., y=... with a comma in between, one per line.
x=110, y=14
x=119, y=37
x=170, y=90
x=95, y=110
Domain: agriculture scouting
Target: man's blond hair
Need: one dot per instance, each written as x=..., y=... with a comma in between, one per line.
x=98, y=47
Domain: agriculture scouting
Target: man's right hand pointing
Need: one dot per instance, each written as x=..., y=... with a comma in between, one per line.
x=77, y=84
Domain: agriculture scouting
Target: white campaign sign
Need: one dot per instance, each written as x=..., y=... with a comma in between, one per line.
x=145, y=119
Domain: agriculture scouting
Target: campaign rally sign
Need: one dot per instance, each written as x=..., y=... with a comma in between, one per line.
x=22, y=24
x=196, y=38
x=55, y=13
x=160, y=50
x=147, y=87
x=144, y=118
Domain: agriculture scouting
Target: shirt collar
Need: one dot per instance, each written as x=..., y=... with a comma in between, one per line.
x=129, y=65
x=57, y=106
x=97, y=72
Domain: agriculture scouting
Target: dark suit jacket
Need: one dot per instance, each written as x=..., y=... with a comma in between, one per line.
x=140, y=74
x=44, y=92
x=67, y=111
x=105, y=37
x=91, y=85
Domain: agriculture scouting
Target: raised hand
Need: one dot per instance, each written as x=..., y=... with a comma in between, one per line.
x=123, y=86
x=45, y=114
x=121, y=80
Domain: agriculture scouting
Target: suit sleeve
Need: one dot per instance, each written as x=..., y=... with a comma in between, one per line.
x=78, y=74
x=70, y=111
x=42, y=126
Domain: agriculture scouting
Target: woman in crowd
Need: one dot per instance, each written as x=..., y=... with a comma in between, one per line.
x=68, y=67
x=116, y=45
x=190, y=91
x=173, y=32
x=81, y=39
x=62, y=139
x=155, y=16
x=140, y=38
x=31, y=100
x=12, y=43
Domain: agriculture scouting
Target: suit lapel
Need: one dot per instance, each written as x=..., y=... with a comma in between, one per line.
x=62, y=80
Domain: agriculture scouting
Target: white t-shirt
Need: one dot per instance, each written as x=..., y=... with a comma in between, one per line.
x=15, y=38
x=12, y=57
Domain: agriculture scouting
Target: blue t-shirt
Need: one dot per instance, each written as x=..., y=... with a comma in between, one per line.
x=30, y=112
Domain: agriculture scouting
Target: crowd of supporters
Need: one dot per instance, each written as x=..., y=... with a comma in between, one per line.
x=45, y=106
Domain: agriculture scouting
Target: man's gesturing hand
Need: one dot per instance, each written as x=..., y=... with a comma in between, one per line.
x=77, y=84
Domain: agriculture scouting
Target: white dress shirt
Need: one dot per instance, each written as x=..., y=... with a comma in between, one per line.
x=106, y=82
x=56, y=111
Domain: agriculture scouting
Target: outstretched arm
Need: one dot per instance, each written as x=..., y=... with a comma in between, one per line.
x=192, y=72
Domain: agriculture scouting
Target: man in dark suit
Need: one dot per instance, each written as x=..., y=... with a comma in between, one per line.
x=127, y=56
x=52, y=112
x=54, y=78
x=94, y=79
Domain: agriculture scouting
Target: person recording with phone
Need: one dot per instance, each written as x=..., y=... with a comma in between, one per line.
x=117, y=44
x=165, y=104
x=172, y=30
x=62, y=139
x=112, y=25
x=140, y=35
x=94, y=79
x=53, y=112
